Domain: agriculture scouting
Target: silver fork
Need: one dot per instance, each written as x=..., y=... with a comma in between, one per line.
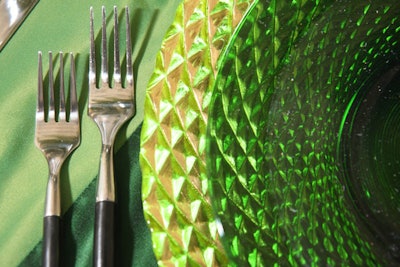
x=109, y=107
x=56, y=135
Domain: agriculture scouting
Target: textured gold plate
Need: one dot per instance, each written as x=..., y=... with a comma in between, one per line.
x=175, y=185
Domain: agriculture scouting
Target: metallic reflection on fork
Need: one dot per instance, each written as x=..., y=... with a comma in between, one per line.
x=57, y=135
x=109, y=107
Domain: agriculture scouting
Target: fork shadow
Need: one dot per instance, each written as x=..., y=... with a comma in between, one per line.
x=135, y=19
x=132, y=234
x=138, y=14
x=68, y=244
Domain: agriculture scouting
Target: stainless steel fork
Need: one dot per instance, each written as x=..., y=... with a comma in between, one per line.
x=109, y=107
x=56, y=135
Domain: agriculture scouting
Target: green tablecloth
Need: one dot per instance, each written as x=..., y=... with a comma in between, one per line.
x=64, y=26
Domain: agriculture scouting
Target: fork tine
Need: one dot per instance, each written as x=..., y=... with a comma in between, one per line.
x=92, y=55
x=62, y=114
x=74, y=113
x=51, y=114
x=117, y=66
x=129, y=67
x=40, y=99
x=104, y=61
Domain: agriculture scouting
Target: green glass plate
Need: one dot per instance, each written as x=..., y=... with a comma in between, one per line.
x=302, y=146
x=175, y=188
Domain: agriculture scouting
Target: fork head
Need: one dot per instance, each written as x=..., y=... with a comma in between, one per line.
x=110, y=105
x=57, y=131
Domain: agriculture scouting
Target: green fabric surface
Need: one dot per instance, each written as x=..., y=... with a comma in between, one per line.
x=64, y=26
x=133, y=241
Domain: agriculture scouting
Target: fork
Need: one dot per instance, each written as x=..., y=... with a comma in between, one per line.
x=109, y=107
x=56, y=135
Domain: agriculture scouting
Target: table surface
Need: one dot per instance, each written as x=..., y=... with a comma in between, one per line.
x=64, y=26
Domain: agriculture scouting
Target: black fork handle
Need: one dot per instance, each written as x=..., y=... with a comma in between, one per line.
x=51, y=241
x=103, y=254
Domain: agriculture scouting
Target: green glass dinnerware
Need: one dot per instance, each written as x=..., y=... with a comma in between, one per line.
x=303, y=145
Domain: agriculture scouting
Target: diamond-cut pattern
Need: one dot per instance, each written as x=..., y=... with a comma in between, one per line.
x=274, y=119
x=175, y=184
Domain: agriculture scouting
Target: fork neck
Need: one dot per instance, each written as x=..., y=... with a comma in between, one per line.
x=55, y=163
x=106, y=182
x=53, y=193
x=109, y=130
